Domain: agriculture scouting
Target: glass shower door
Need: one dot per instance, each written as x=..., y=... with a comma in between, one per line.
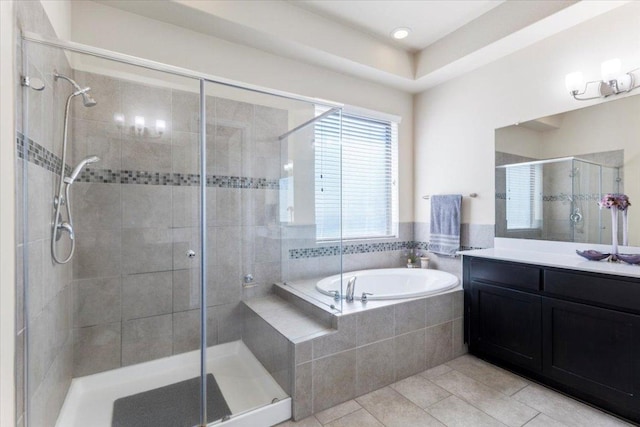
x=112, y=335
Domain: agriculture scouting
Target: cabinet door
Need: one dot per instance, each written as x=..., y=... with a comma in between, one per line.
x=507, y=324
x=594, y=350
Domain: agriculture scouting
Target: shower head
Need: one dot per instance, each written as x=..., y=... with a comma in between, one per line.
x=76, y=171
x=87, y=100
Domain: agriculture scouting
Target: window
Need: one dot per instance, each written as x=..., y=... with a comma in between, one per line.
x=524, y=197
x=369, y=168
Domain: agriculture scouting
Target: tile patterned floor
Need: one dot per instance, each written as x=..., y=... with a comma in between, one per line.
x=465, y=392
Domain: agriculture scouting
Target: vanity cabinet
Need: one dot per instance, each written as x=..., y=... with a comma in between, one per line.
x=577, y=332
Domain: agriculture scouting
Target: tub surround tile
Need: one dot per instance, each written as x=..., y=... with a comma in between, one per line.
x=410, y=316
x=375, y=366
x=303, y=391
x=410, y=357
x=439, y=309
x=334, y=379
x=439, y=347
x=374, y=325
x=343, y=339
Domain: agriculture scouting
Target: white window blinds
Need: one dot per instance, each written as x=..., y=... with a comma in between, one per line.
x=524, y=197
x=368, y=169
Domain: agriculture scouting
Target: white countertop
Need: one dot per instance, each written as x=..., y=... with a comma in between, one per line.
x=556, y=254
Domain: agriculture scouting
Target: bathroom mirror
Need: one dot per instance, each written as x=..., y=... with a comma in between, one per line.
x=551, y=172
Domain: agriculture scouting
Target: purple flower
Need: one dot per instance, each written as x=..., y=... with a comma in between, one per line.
x=620, y=201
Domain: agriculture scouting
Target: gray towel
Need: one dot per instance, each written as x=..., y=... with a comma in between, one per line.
x=445, y=224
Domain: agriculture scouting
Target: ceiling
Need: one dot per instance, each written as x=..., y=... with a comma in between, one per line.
x=428, y=20
x=448, y=38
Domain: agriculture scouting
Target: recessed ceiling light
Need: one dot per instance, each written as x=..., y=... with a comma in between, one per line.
x=400, y=33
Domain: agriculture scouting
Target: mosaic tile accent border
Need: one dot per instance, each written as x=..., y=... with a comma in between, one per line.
x=559, y=197
x=361, y=248
x=108, y=176
x=40, y=156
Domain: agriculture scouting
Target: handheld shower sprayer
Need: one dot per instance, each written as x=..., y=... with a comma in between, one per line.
x=62, y=199
x=76, y=171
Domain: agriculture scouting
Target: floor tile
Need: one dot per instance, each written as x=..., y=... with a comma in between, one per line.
x=307, y=422
x=454, y=412
x=360, y=418
x=496, y=378
x=420, y=391
x=435, y=371
x=564, y=409
x=507, y=410
x=394, y=410
x=337, y=411
x=543, y=420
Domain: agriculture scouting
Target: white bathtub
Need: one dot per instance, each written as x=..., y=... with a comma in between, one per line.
x=391, y=283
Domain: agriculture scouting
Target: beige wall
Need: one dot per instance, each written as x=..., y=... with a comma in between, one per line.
x=105, y=27
x=455, y=122
x=7, y=215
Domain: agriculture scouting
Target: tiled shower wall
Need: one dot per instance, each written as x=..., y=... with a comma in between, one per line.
x=48, y=284
x=136, y=293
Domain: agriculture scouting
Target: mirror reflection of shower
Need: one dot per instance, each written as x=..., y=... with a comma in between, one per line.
x=64, y=223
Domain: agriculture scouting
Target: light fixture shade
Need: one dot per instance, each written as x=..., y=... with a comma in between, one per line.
x=161, y=126
x=611, y=69
x=139, y=122
x=574, y=81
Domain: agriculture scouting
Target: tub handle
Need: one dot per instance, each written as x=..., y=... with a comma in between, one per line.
x=336, y=295
x=364, y=298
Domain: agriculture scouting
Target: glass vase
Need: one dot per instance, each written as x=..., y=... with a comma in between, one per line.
x=614, y=233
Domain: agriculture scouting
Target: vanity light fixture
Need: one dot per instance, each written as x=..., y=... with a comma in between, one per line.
x=119, y=119
x=613, y=81
x=400, y=33
x=139, y=124
x=161, y=125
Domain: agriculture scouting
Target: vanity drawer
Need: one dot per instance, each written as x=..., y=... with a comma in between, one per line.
x=603, y=291
x=506, y=274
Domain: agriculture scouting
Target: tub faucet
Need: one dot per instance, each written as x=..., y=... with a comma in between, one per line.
x=351, y=288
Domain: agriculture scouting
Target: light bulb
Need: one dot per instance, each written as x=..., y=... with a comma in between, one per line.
x=574, y=82
x=161, y=126
x=611, y=69
x=139, y=122
x=119, y=119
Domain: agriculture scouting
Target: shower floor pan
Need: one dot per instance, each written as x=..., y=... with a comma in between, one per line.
x=245, y=384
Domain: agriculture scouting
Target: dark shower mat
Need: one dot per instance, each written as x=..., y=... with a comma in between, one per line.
x=175, y=405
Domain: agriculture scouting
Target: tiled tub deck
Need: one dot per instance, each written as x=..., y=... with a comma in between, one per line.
x=323, y=359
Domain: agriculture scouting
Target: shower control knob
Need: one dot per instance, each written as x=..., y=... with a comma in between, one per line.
x=191, y=253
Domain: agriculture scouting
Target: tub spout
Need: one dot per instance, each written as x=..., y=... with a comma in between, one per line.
x=351, y=288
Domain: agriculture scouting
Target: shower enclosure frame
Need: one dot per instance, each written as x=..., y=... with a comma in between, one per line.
x=203, y=79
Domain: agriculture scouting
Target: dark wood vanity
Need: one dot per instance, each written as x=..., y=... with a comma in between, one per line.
x=578, y=332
